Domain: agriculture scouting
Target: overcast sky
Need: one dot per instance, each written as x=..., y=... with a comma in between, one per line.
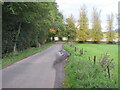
x=68, y=7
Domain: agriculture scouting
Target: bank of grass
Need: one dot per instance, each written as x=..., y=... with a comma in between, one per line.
x=83, y=73
x=12, y=58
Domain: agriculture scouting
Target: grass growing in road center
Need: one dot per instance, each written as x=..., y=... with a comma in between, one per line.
x=21, y=55
x=83, y=73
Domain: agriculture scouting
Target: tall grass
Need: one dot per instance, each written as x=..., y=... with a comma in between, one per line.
x=83, y=73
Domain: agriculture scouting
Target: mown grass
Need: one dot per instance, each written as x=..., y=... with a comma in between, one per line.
x=83, y=73
x=12, y=58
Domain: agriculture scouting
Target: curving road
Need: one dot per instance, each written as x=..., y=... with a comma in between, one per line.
x=36, y=71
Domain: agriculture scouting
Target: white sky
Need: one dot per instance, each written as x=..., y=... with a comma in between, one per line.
x=68, y=7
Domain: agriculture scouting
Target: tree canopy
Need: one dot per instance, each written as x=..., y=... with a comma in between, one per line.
x=96, y=33
x=70, y=28
x=83, y=31
x=111, y=33
x=27, y=24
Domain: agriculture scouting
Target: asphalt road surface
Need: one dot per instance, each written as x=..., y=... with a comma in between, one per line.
x=36, y=71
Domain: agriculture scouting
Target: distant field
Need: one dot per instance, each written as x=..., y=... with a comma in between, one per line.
x=82, y=73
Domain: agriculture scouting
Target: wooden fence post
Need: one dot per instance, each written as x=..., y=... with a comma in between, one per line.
x=108, y=71
x=82, y=50
x=75, y=49
x=89, y=58
x=94, y=59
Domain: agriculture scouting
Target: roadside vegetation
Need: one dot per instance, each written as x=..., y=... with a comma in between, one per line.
x=14, y=57
x=30, y=27
x=27, y=26
x=32, y=24
x=84, y=66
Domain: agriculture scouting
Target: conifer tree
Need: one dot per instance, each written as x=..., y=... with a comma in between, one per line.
x=83, y=31
x=96, y=33
x=110, y=33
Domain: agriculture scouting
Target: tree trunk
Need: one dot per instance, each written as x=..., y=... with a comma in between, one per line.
x=60, y=38
x=95, y=42
x=16, y=38
x=53, y=39
x=81, y=41
x=110, y=42
x=15, y=47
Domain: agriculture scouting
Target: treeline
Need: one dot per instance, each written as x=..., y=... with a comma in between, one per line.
x=80, y=31
x=27, y=24
x=32, y=24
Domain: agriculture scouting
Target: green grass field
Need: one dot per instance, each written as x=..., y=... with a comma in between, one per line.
x=12, y=58
x=83, y=73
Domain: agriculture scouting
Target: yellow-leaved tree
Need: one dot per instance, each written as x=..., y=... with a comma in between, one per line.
x=70, y=28
x=83, y=31
x=111, y=33
x=96, y=33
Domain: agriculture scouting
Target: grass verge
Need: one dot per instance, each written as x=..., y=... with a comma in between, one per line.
x=83, y=73
x=23, y=54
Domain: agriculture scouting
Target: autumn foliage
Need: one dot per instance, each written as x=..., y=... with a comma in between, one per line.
x=52, y=30
x=110, y=34
x=83, y=31
x=96, y=33
x=70, y=28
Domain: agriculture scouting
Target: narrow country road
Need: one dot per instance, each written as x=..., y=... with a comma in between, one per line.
x=36, y=71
